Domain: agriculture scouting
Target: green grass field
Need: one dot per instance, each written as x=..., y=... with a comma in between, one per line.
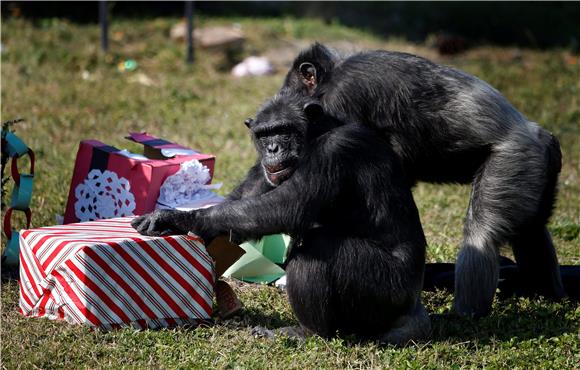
x=54, y=76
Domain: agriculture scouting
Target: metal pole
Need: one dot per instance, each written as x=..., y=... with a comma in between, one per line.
x=189, y=20
x=104, y=25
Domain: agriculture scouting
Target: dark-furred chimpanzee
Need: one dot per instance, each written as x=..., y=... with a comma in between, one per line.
x=448, y=126
x=357, y=257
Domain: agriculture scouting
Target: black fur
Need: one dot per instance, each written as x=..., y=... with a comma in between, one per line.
x=448, y=126
x=357, y=258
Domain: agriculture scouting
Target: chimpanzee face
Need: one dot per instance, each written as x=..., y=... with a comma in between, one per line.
x=280, y=135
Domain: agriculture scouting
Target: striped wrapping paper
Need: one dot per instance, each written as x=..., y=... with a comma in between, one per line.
x=105, y=274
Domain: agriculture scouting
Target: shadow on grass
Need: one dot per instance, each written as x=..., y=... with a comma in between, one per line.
x=272, y=320
x=9, y=273
x=514, y=319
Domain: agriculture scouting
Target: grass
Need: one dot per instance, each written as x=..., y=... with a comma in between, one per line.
x=203, y=107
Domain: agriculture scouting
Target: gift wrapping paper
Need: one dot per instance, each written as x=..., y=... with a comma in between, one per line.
x=106, y=275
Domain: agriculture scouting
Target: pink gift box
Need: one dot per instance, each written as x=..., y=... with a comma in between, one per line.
x=106, y=275
x=108, y=183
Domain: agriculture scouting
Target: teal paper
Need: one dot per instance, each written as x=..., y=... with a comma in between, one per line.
x=15, y=146
x=12, y=250
x=21, y=195
x=258, y=264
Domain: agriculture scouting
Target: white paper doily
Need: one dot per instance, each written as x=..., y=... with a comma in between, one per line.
x=103, y=195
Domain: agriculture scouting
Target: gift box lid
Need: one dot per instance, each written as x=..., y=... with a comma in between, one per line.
x=153, y=157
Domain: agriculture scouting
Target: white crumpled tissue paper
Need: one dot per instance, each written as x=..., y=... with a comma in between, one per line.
x=188, y=189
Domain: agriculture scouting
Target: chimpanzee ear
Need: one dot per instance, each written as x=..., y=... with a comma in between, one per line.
x=313, y=111
x=248, y=122
x=308, y=73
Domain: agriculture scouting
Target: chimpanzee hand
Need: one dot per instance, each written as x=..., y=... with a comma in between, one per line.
x=160, y=222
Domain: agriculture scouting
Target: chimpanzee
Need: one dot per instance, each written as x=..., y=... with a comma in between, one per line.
x=356, y=262
x=448, y=126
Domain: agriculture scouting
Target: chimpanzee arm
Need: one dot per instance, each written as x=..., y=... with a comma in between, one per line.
x=288, y=208
x=254, y=184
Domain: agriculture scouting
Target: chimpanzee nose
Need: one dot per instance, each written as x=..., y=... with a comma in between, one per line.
x=273, y=148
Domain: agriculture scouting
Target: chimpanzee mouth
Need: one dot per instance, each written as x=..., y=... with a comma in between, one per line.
x=279, y=172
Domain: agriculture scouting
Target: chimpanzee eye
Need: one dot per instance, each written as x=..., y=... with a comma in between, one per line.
x=287, y=131
x=277, y=130
x=264, y=141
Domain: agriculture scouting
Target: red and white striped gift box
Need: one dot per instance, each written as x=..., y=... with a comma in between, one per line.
x=105, y=274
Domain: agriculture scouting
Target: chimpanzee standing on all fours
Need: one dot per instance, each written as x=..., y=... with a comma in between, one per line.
x=448, y=126
x=358, y=252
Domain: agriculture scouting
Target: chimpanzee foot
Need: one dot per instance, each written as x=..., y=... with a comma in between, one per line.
x=476, y=277
x=294, y=332
x=262, y=332
x=411, y=327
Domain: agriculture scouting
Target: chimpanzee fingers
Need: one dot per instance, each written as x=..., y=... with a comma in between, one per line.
x=136, y=222
x=157, y=233
x=157, y=224
x=163, y=223
x=153, y=224
x=166, y=232
x=141, y=224
x=262, y=332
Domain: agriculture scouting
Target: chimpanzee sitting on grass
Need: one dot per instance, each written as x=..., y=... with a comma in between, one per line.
x=357, y=258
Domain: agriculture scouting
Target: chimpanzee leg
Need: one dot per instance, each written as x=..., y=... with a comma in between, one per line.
x=476, y=271
x=508, y=193
x=537, y=263
x=309, y=286
x=532, y=245
x=477, y=267
x=416, y=325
